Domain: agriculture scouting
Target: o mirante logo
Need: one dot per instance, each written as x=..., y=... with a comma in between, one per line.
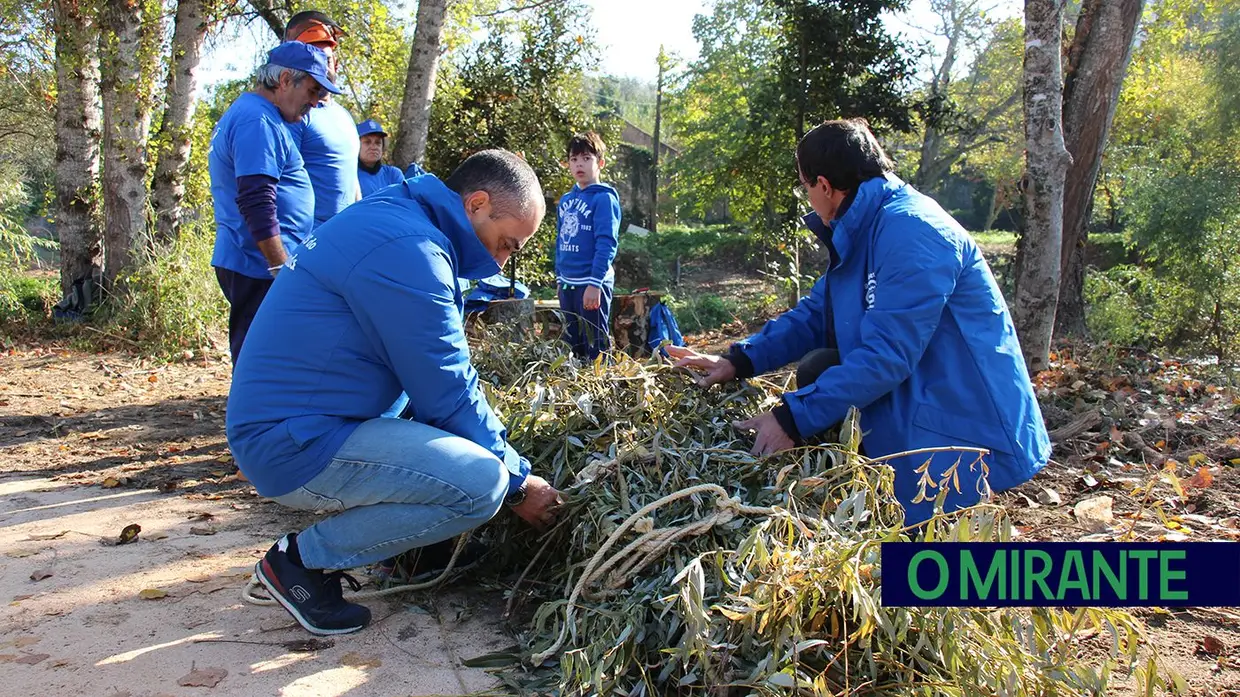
x=1099, y=574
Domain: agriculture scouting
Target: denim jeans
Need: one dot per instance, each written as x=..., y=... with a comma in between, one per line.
x=393, y=486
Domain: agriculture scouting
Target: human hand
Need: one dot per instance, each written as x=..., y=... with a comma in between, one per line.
x=717, y=368
x=592, y=298
x=771, y=437
x=540, y=504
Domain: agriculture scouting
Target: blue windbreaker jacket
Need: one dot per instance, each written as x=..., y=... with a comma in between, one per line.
x=928, y=350
x=365, y=308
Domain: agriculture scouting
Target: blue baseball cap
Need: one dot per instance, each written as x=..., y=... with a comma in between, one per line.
x=304, y=57
x=369, y=126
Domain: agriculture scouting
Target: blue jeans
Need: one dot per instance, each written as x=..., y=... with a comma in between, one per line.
x=396, y=485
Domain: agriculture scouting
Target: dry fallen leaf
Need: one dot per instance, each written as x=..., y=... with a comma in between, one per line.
x=33, y=658
x=196, y=530
x=153, y=378
x=152, y=593
x=201, y=578
x=203, y=677
x=1203, y=479
x=40, y=574
x=130, y=533
x=19, y=553
x=110, y=483
x=23, y=596
x=158, y=535
x=1212, y=646
x=355, y=660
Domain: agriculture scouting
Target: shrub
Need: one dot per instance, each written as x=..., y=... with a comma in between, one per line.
x=172, y=301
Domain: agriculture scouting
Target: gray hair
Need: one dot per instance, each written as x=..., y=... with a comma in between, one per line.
x=268, y=75
x=510, y=181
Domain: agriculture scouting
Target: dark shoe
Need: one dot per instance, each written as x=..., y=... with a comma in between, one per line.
x=426, y=563
x=314, y=598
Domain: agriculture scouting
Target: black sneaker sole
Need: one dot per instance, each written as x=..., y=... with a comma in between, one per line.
x=272, y=589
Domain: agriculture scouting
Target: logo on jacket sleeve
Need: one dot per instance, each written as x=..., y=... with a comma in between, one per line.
x=871, y=285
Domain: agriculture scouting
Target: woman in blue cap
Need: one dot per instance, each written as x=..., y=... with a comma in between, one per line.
x=372, y=174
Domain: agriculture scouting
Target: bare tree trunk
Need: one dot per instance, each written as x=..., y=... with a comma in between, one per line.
x=168, y=184
x=1046, y=164
x=1099, y=57
x=415, y=109
x=658, y=127
x=128, y=40
x=77, y=142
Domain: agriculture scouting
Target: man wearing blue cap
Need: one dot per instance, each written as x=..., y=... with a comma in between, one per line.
x=372, y=174
x=264, y=203
x=325, y=135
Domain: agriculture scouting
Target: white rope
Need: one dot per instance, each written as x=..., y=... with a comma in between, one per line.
x=247, y=593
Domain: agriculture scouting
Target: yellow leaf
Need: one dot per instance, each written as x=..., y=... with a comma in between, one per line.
x=110, y=483
x=1196, y=459
x=732, y=614
x=152, y=593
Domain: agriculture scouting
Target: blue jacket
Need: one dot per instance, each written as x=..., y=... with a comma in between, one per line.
x=927, y=347
x=367, y=307
x=588, y=230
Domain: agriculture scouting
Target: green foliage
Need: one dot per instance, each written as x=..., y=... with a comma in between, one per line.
x=650, y=260
x=521, y=88
x=25, y=299
x=1188, y=294
x=173, y=302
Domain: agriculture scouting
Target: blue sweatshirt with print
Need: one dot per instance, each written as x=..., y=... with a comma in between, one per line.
x=588, y=230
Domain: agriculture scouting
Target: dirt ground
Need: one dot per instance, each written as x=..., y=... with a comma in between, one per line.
x=91, y=444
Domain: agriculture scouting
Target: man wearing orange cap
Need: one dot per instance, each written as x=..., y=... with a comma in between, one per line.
x=326, y=136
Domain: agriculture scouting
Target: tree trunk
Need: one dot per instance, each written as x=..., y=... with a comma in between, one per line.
x=415, y=109
x=77, y=142
x=658, y=125
x=129, y=49
x=1097, y=61
x=1046, y=164
x=168, y=185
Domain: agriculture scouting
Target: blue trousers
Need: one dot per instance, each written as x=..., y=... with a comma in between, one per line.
x=393, y=486
x=588, y=332
x=244, y=295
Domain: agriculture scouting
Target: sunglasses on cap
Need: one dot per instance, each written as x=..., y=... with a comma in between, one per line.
x=318, y=32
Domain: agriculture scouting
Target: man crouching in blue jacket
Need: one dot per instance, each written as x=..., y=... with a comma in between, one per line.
x=926, y=347
x=367, y=307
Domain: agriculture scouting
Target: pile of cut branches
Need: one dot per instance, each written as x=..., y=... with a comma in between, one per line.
x=684, y=565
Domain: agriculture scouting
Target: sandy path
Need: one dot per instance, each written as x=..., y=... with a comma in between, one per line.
x=84, y=630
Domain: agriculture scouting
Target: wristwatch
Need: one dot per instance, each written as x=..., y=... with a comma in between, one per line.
x=517, y=497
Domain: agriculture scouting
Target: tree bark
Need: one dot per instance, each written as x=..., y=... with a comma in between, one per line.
x=77, y=142
x=658, y=126
x=1046, y=164
x=415, y=109
x=1097, y=62
x=168, y=184
x=129, y=51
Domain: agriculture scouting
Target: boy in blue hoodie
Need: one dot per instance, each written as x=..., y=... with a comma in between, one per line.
x=588, y=230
